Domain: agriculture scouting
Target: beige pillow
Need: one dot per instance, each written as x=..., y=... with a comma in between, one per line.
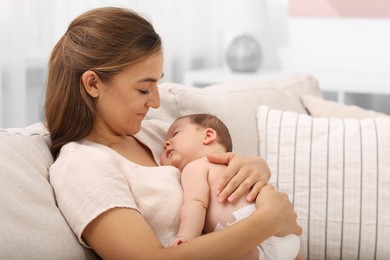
x=337, y=173
x=31, y=227
x=325, y=108
x=236, y=103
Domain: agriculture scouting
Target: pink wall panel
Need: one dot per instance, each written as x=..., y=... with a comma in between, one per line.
x=357, y=8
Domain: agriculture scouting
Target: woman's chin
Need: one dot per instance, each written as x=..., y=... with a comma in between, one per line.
x=134, y=129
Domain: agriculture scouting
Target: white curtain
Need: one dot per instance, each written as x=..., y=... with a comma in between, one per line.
x=192, y=33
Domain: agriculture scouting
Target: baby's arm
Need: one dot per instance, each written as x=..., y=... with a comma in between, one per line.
x=196, y=201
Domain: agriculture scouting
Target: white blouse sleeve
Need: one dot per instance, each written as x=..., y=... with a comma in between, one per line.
x=88, y=182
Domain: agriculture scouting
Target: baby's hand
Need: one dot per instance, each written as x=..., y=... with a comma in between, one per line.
x=177, y=241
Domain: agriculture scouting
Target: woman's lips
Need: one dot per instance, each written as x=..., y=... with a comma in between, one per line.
x=142, y=115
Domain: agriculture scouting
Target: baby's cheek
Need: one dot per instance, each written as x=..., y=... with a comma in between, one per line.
x=164, y=160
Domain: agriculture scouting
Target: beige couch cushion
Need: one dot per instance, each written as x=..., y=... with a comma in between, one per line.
x=236, y=103
x=336, y=172
x=31, y=227
x=326, y=108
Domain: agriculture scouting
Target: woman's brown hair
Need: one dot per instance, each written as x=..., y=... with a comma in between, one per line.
x=104, y=40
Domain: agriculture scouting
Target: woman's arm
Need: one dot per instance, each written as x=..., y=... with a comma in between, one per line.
x=243, y=174
x=123, y=233
x=285, y=218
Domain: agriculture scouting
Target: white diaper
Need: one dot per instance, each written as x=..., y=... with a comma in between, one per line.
x=281, y=248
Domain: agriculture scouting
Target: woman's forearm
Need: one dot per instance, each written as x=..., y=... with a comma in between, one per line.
x=124, y=234
x=274, y=216
x=233, y=242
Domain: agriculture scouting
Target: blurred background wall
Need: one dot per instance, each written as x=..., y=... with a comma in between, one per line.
x=195, y=35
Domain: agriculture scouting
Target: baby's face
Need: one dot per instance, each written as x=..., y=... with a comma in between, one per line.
x=182, y=141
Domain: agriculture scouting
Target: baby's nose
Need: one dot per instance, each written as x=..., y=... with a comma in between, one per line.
x=166, y=143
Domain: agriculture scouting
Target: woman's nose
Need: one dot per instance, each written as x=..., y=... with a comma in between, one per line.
x=154, y=100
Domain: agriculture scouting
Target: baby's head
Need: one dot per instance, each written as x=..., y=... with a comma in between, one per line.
x=191, y=136
x=210, y=121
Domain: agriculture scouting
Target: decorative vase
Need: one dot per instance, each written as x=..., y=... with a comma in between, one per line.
x=244, y=54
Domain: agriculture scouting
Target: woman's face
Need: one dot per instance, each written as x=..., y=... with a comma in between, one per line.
x=123, y=102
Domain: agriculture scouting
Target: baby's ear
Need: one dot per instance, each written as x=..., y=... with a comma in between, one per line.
x=210, y=135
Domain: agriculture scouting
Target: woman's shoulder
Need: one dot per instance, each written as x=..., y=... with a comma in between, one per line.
x=76, y=156
x=83, y=149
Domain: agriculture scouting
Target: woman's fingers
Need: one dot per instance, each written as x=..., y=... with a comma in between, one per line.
x=220, y=158
x=255, y=190
x=244, y=174
x=281, y=209
x=224, y=158
x=237, y=187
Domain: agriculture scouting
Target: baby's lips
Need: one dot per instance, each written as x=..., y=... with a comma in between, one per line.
x=167, y=152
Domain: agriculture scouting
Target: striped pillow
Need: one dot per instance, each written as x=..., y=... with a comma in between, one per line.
x=337, y=174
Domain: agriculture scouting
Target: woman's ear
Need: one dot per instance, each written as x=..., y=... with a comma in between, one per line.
x=90, y=80
x=210, y=135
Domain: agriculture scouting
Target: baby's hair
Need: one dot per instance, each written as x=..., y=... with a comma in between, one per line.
x=210, y=121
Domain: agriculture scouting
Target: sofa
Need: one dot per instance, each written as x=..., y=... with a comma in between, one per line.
x=331, y=159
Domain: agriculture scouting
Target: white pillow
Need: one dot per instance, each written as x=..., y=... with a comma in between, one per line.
x=337, y=173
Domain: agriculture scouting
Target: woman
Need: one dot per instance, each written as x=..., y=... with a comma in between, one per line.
x=103, y=76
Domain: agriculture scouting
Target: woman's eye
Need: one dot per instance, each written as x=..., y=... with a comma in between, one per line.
x=144, y=92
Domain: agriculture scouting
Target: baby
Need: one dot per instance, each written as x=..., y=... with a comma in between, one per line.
x=188, y=141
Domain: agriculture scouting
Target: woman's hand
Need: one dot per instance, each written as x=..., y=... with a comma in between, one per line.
x=244, y=174
x=280, y=210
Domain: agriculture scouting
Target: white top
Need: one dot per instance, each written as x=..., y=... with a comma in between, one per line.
x=90, y=178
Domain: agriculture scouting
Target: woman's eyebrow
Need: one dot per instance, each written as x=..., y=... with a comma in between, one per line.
x=150, y=79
